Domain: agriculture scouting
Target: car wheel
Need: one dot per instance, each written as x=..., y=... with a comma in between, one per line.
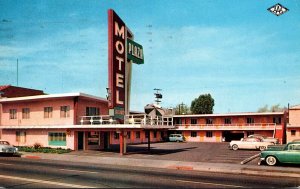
x=261, y=148
x=235, y=147
x=271, y=160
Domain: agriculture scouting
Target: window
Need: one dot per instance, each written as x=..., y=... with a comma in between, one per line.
x=227, y=121
x=25, y=113
x=65, y=111
x=154, y=134
x=13, y=114
x=137, y=134
x=209, y=134
x=193, y=134
x=250, y=120
x=128, y=134
x=193, y=121
x=277, y=120
x=48, y=112
x=21, y=136
x=209, y=121
x=93, y=138
x=57, y=139
x=92, y=111
x=293, y=132
x=116, y=135
x=178, y=121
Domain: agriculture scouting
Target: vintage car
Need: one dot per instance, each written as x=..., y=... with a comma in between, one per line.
x=176, y=138
x=5, y=147
x=289, y=153
x=249, y=143
x=265, y=138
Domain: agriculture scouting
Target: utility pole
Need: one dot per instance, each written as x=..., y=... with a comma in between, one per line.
x=17, y=72
x=181, y=107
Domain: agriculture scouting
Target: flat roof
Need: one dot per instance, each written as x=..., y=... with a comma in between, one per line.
x=49, y=96
x=231, y=114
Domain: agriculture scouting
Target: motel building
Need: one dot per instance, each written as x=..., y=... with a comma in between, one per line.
x=76, y=121
x=230, y=126
x=293, y=123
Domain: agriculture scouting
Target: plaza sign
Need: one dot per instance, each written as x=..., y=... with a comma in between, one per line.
x=135, y=52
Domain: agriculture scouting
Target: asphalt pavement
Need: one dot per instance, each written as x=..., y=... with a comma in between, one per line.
x=149, y=160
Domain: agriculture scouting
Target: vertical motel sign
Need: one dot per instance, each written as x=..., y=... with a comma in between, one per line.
x=119, y=74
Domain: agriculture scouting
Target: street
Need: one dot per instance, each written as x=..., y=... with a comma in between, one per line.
x=32, y=173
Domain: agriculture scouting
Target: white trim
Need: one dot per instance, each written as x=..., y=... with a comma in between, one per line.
x=108, y=126
x=51, y=96
x=230, y=114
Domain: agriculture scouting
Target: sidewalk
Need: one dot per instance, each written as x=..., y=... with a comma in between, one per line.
x=169, y=164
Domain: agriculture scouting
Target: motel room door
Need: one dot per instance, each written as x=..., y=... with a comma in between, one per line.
x=80, y=140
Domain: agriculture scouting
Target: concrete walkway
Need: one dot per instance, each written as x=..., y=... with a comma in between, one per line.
x=169, y=164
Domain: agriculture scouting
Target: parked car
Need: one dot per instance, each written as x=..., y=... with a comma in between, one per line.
x=265, y=138
x=176, y=138
x=249, y=143
x=289, y=153
x=5, y=147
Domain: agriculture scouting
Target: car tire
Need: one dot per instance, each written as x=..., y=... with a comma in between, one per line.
x=235, y=147
x=271, y=160
x=262, y=148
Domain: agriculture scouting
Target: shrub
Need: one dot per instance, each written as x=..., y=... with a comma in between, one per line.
x=37, y=145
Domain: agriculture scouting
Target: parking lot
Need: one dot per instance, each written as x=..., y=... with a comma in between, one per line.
x=182, y=151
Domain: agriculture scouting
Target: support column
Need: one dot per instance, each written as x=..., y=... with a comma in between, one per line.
x=148, y=140
x=121, y=143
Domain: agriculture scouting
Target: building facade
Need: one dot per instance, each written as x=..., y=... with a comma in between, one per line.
x=231, y=126
x=293, y=125
x=73, y=120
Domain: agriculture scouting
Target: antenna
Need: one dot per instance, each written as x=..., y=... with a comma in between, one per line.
x=158, y=95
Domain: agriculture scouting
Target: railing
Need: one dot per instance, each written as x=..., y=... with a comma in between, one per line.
x=254, y=126
x=141, y=119
x=144, y=119
x=96, y=120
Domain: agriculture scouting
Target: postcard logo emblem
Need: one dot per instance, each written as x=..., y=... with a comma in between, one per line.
x=278, y=9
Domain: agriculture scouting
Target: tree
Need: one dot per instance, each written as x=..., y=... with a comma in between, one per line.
x=204, y=104
x=274, y=108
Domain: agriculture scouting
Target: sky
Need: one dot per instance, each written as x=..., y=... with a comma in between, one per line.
x=237, y=51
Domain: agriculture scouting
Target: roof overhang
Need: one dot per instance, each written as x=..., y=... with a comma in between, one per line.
x=51, y=96
x=108, y=126
x=231, y=114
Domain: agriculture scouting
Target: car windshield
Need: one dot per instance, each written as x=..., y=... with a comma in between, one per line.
x=4, y=142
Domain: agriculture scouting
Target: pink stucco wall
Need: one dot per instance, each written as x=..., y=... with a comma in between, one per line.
x=36, y=136
x=37, y=113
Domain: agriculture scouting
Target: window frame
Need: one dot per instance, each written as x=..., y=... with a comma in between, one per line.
x=48, y=112
x=13, y=114
x=57, y=138
x=25, y=113
x=193, y=134
x=209, y=134
x=65, y=111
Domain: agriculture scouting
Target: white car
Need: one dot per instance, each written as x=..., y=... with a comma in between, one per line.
x=5, y=147
x=265, y=138
x=249, y=143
